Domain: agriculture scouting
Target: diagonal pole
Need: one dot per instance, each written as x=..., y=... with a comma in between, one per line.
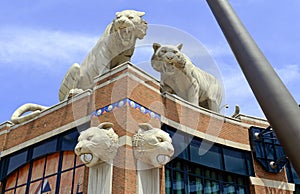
x=279, y=107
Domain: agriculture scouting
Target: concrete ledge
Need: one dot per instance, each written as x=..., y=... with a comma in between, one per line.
x=56, y=107
x=130, y=75
x=272, y=184
x=45, y=136
x=205, y=111
x=202, y=135
x=6, y=124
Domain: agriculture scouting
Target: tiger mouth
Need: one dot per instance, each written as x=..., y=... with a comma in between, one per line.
x=86, y=158
x=126, y=35
x=163, y=159
x=169, y=67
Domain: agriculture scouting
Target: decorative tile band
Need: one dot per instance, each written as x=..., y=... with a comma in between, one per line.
x=126, y=102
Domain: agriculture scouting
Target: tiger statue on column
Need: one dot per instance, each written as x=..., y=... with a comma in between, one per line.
x=115, y=47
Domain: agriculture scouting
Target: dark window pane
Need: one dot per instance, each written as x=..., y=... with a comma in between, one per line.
x=197, y=179
x=195, y=185
x=69, y=141
x=178, y=182
x=203, y=154
x=234, y=161
x=249, y=164
x=45, y=148
x=241, y=190
x=180, y=142
x=180, y=145
x=212, y=187
x=168, y=181
x=297, y=189
x=228, y=188
x=194, y=170
x=16, y=161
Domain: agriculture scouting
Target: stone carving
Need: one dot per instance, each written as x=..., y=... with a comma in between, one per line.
x=115, y=47
x=181, y=77
x=34, y=110
x=97, y=144
x=152, y=145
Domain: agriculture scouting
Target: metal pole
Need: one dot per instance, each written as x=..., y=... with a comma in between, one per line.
x=278, y=105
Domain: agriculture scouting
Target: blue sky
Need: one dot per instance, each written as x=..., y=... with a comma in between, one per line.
x=40, y=40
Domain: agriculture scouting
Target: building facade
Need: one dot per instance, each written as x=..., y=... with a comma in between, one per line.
x=213, y=153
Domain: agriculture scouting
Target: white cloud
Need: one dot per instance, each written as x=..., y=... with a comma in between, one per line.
x=219, y=50
x=42, y=48
x=289, y=73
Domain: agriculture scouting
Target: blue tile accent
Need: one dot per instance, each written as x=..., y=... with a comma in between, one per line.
x=122, y=103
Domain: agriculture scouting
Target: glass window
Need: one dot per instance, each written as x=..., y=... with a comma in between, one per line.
x=52, y=162
x=68, y=160
x=47, y=176
x=195, y=185
x=187, y=177
x=78, y=180
x=178, y=182
x=34, y=186
x=23, y=175
x=235, y=161
x=16, y=161
x=180, y=141
x=69, y=141
x=66, y=182
x=11, y=181
x=44, y=148
x=38, y=168
x=168, y=181
x=208, y=155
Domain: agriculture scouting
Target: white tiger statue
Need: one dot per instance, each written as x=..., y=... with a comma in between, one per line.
x=181, y=77
x=97, y=144
x=115, y=47
x=152, y=145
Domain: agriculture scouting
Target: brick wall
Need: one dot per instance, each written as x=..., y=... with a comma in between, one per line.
x=131, y=83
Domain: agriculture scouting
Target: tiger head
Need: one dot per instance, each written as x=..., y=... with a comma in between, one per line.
x=152, y=146
x=167, y=58
x=97, y=144
x=129, y=26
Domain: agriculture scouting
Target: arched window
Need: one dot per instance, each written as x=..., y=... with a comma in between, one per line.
x=60, y=172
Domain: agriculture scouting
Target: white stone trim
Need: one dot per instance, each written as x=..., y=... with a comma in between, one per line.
x=204, y=111
x=126, y=65
x=4, y=132
x=56, y=107
x=111, y=72
x=253, y=119
x=46, y=135
x=273, y=184
x=125, y=140
x=202, y=135
x=6, y=124
x=130, y=75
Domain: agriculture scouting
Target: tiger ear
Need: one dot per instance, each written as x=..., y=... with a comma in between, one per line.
x=156, y=46
x=105, y=125
x=140, y=13
x=179, y=46
x=145, y=126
